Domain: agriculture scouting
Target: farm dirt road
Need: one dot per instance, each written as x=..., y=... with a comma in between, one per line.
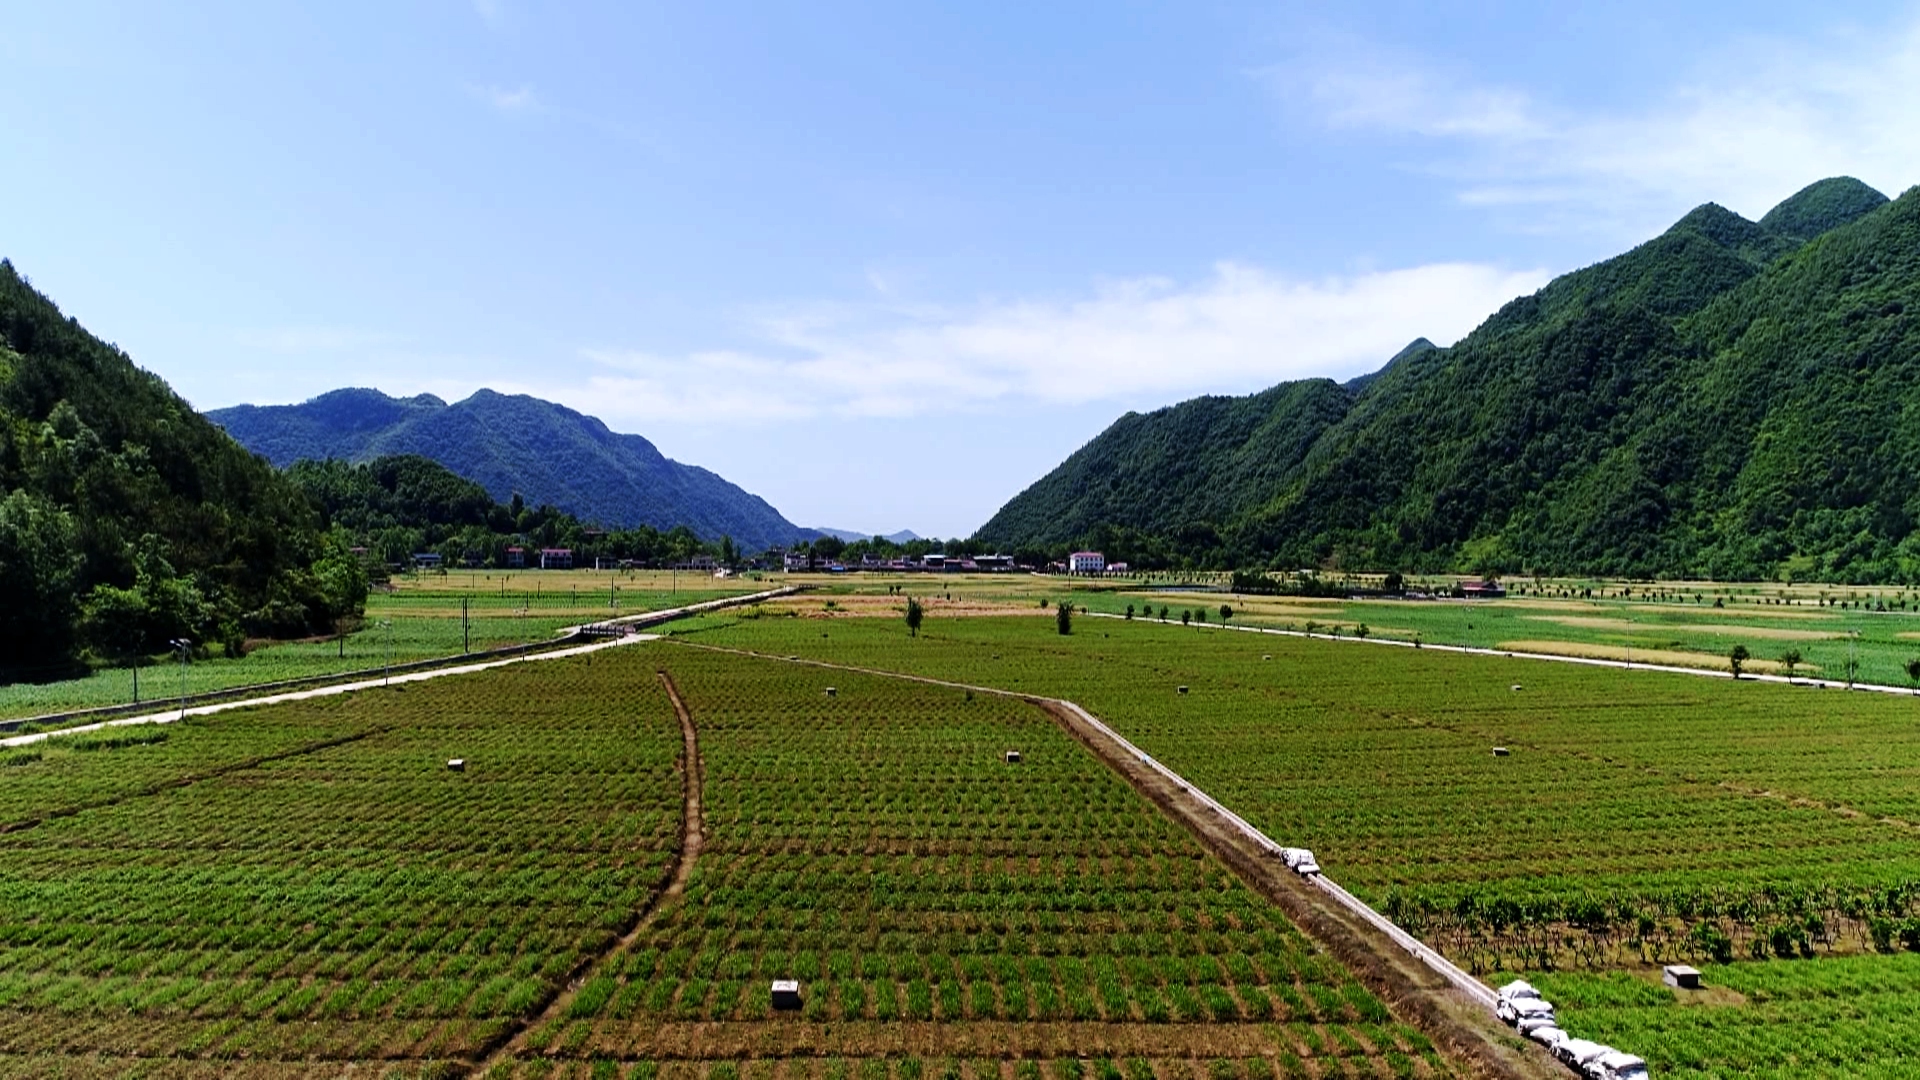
x=693, y=839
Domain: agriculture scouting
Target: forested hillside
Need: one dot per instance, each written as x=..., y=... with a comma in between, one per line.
x=403, y=504
x=128, y=520
x=1730, y=399
x=517, y=445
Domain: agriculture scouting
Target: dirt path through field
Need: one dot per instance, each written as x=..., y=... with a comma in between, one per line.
x=693, y=839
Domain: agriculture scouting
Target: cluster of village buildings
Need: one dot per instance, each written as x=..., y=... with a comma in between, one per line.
x=559, y=558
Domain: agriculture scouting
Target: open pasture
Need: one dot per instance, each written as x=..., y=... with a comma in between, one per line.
x=950, y=914
x=298, y=888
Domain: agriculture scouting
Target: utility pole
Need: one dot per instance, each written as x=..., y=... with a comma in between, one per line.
x=136, y=680
x=387, y=679
x=184, y=646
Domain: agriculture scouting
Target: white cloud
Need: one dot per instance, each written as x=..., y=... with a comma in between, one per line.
x=1240, y=329
x=1747, y=127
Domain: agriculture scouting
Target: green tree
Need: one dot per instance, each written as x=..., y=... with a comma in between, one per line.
x=914, y=615
x=1226, y=612
x=1063, y=618
x=1913, y=673
x=1789, y=660
x=38, y=566
x=1186, y=617
x=1737, y=659
x=1129, y=612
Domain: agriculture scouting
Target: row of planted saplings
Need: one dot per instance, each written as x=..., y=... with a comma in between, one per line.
x=1490, y=933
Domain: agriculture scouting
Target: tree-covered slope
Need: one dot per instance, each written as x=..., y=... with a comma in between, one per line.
x=522, y=445
x=1728, y=399
x=127, y=519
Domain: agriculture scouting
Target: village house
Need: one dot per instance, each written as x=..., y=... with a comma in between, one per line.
x=1086, y=562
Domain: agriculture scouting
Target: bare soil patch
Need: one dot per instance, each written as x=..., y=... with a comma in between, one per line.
x=895, y=607
x=1670, y=657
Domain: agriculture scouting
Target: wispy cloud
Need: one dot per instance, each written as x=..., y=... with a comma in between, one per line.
x=507, y=99
x=1748, y=126
x=1238, y=329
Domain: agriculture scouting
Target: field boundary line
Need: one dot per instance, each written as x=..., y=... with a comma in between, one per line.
x=1478, y=992
x=693, y=840
x=175, y=783
x=1513, y=654
x=177, y=713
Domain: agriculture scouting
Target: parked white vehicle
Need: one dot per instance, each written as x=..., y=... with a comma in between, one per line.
x=1547, y=1035
x=1527, y=1025
x=1518, y=988
x=1617, y=1065
x=1575, y=1053
x=1299, y=860
x=1514, y=1010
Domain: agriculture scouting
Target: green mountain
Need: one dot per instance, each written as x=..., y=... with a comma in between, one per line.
x=128, y=520
x=1729, y=399
x=403, y=504
x=516, y=445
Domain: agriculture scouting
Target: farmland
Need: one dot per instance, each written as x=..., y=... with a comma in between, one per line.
x=1639, y=817
x=1629, y=786
x=310, y=884
x=947, y=910
x=425, y=613
x=308, y=889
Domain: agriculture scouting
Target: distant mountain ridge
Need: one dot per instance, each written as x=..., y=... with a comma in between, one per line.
x=1731, y=399
x=516, y=444
x=850, y=536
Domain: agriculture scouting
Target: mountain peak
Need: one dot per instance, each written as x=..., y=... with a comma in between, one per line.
x=511, y=443
x=1822, y=206
x=1723, y=227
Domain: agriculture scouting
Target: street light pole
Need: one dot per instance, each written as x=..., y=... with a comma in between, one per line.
x=387, y=678
x=184, y=646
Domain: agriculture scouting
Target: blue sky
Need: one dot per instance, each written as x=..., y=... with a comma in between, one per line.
x=884, y=264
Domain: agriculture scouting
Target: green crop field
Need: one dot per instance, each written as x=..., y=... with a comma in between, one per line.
x=945, y=909
x=307, y=889
x=275, y=890
x=1639, y=817
x=426, y=623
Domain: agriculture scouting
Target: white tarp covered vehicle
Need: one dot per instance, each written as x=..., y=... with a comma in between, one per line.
x=1299, y=860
